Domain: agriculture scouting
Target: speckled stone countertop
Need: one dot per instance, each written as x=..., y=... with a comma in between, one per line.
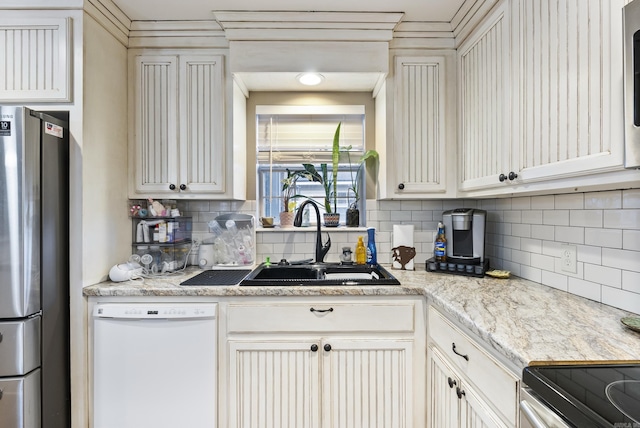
x=524, y=321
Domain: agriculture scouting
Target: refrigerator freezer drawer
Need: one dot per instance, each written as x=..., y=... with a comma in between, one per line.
x=19, y=346
x=20, y=401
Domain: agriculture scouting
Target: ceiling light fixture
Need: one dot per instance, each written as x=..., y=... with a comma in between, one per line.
x=310, y=79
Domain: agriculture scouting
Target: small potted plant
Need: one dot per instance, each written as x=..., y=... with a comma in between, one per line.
x=288, y=194
x=353, y=211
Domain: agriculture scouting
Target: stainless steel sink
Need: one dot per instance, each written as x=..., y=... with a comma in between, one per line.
x=319, y=274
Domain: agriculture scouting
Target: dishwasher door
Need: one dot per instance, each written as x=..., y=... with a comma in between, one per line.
x=154, y=365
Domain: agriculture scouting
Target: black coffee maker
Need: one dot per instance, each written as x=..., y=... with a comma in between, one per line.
x=465, y=232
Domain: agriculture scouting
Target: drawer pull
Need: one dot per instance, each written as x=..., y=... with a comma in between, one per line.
x=314, y=348
x=321, y=310
x=453, y=348
x=0, y=394
x=452, y=382
x=459, y=392
x=0, y=337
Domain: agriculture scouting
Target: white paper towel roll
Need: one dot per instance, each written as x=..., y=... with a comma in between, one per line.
x=403, y=249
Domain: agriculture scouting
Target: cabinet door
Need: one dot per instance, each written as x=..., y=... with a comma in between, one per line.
x=474, y=411
x=202, y=146
x=367, y=383
x=443, y=406
x=273, y=383
x=419, y=147
x=568, y=62
x=35, y=56
x=155, y=131
x=484, y=91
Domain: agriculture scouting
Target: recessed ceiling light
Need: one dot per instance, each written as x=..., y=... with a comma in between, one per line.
x=310, y=79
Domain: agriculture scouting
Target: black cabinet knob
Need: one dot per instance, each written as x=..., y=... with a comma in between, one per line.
x=183, y=187
x=452, y=382
x=327, y=347
x=512, y=176
x=172, y=186
x=314, y=348
x=459, y=392
x=502, y=177
x=401, y=186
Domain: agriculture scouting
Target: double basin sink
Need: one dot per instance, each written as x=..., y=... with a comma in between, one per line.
x=320, y=274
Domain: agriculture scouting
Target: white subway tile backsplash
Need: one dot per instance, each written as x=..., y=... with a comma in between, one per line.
x=603, y=275
x=631, y=281
x=603, y=200
x=555, y=280
x=621, y=259
x=543, y=202
x=573, y=235
x=631, y=198
x=532, y=217
x=586, y=289
x=622, y=219
x=611, y=238
x=556, y=217
x=621, y=299
x=569, y=201
x=524, y=235
x=631, y=240
x=585, y=218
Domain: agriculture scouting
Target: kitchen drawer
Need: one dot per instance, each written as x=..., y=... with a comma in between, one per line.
x=19, y=346
x=20, y=401
x=321, y=317
x=481, y=369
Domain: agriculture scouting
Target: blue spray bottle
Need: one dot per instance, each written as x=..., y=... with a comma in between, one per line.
x=372, y=252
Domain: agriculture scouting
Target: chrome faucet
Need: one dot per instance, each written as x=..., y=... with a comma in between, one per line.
x=321, y=249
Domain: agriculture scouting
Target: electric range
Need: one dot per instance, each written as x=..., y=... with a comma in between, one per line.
x=589, y=395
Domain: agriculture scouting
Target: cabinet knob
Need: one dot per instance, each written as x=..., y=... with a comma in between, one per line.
x=314, y=348
x=452, y=382
x=502, y=177
x=0, y=394
x=512, y=176
x=327, y=347
x=172, y=186
x=401, y=186
x=459, y=392
x=183, y=187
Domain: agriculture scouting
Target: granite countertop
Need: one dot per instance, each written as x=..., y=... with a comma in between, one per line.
x=524, y=321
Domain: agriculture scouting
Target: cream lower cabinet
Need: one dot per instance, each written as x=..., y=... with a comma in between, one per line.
x=467, y=387
x=318, y=363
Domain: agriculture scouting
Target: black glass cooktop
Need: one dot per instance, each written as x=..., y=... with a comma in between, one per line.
x=589, y=395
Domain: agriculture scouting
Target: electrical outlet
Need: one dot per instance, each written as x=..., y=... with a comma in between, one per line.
x=568, y=258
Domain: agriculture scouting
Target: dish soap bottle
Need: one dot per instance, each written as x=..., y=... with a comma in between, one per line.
x=440, y=248
x=372, y=253
x=361, y=252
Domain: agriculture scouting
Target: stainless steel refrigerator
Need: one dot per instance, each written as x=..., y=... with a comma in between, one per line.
x=34, y=269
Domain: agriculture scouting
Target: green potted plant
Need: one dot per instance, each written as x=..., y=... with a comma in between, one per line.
x=329, y=182
x=288, y=193
x=353, y=211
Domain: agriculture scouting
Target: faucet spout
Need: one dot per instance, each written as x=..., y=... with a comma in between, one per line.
x=321, y=249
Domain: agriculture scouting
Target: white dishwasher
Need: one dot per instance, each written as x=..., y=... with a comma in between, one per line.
x=154, y=365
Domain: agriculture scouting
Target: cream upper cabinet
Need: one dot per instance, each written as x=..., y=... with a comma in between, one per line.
x=316, y=362
x=417, y=158
x=540, y=90
x=178, y=144
x=35, y=56
x=467, y=387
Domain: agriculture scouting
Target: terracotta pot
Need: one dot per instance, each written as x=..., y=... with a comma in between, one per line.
x=286, y=219
x=331, y=219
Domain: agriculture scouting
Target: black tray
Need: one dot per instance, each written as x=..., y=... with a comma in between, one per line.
x=218, y=277
x=478, y=269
